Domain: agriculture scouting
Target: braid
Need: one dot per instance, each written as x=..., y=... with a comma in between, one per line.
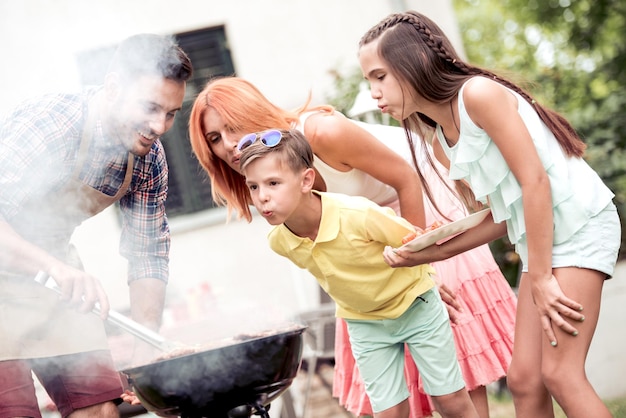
x=562, y=129
x=407, y=39
x=433, y=42
x=376, y=31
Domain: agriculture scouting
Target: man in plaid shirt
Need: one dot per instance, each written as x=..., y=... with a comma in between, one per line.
x=63, y=159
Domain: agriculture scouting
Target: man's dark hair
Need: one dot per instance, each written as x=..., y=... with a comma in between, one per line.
x=151, y=54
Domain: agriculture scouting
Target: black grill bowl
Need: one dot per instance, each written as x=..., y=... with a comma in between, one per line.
x=213, y=382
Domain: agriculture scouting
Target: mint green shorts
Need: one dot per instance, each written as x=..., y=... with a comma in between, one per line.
x=378, y=348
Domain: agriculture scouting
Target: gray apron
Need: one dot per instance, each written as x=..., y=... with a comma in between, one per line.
x=33, y=322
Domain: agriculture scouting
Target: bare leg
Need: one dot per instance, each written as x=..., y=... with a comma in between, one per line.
x=102, y=410
x=479, y=399
x=400, y=410
x=563, y=366
x=530, y=396
x=455, y=405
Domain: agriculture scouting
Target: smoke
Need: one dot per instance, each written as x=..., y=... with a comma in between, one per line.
x=244, y=297
x=44, y=63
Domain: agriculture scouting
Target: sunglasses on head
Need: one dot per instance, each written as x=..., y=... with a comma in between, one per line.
x=269, y=138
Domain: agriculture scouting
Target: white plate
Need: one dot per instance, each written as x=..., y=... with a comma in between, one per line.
x=445, y=231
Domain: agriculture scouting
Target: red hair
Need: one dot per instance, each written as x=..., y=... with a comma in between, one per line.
x=243, y=108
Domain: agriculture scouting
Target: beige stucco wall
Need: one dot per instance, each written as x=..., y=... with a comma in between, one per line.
x=286, y=47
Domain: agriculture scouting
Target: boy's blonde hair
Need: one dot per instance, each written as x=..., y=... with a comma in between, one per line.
x=293, y=150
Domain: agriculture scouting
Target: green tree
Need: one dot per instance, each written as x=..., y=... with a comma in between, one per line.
x=572, y=54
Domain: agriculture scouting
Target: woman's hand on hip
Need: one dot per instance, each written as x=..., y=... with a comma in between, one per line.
x=449, y=299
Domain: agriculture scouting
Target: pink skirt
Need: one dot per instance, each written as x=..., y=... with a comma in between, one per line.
x=483, y=335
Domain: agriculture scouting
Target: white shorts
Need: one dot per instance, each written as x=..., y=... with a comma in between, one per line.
x=595, y=246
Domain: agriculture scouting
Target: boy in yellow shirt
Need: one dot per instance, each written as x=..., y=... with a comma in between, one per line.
x=340, y=239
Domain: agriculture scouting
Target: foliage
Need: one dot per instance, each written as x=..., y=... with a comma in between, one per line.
x=346, y=89
x=573, y=55
x=508, y=260
x=570, y=55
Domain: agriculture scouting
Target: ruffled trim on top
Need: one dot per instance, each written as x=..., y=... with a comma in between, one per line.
x=476, y=159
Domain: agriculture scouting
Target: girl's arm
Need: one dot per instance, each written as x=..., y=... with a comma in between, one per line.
x=343, y=145
x=495, y=109
x=483, y=233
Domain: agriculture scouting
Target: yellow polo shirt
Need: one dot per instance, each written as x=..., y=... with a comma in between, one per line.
x=347, y=258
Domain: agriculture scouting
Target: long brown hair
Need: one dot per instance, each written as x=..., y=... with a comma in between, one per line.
x=420, y=55
x=243, y=108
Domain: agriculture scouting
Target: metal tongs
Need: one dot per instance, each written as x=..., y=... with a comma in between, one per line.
x=119, y=320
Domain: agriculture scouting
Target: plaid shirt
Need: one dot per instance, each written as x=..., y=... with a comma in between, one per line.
x=39, y=144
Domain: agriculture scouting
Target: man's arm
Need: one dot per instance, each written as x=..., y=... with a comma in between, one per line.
x=147, y=301
x=145, y=243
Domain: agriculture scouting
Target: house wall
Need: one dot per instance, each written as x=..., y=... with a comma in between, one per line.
x=287, y=48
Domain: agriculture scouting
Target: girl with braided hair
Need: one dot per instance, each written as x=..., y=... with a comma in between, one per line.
x=526, y=162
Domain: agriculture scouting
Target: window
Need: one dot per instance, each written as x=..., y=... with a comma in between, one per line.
x=189, y=185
